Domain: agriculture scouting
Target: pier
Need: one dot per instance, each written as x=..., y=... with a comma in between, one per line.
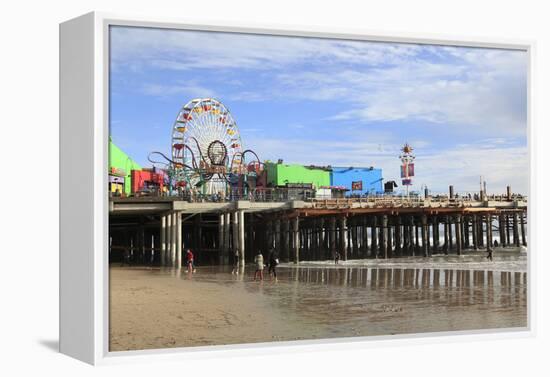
x=157, y=230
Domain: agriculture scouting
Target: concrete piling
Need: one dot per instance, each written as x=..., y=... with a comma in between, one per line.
x=277, y=234
x=374, y=237
x=390, y=238
x=436, y=234
x=241, y=237
x=163, y=240
x=523, y=220
x=416, y=247
x=296, y=239
x=235, y=229
x=489, y=232
x=515, y=229
x=466, y=229
x=384, y=235
x=475, y=232
x=343, y=238
x=398, y=236
x=446, y=247
x=424, y=221
x=458, y=231
x=285, y=242
x=179, y=243
x=332, y=236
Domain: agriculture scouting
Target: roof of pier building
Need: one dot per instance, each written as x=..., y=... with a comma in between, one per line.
x=279, y=174
x=121, y=164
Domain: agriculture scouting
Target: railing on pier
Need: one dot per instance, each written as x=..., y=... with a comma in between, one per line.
x=283, y=194
x=254, y=195
x=399, y=201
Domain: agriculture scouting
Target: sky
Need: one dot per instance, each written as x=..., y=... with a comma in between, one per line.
x=332, y=102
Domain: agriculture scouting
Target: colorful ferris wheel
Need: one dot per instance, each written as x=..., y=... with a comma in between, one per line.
x=206, y=146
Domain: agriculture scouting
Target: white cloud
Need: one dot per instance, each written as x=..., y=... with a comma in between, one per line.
x=182, y=50
x=484, y=96
x=483, y=89
x=190, y=89
x=462, y=167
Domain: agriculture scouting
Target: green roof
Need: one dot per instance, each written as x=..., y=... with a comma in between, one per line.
x=281, y=174
x=120, y=160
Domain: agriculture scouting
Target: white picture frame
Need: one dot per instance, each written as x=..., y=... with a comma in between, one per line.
x=84, y=205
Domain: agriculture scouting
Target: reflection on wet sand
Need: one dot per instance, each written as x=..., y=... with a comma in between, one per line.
x=152, y=308
x=403, y=277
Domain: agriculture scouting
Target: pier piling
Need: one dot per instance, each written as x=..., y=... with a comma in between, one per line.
x=475, y=232
x=384, y=236
x=285, y=242
x=173, y=238
x=458, y=231
x=296, y=239
x=515, y=228
x=523, y=220
x=179, y=242
x=343, y=238
x=163, y=240
x=241, y=237
x=424, y=220
x=374, y=237
x=398, y=236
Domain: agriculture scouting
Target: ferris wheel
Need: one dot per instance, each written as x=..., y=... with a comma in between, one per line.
x=206, y=146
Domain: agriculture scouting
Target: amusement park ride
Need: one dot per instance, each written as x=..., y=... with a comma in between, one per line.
x=206, y=150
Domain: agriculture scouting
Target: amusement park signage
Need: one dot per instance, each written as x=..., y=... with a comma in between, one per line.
x=116, y=179
x=118, y=171
x=407, y=166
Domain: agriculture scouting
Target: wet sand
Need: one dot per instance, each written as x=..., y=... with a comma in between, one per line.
x=154, y=308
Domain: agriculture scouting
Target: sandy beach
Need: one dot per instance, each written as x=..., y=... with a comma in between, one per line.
x=154, y=308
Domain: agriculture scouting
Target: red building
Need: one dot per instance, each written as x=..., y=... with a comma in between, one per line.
x=147, y=181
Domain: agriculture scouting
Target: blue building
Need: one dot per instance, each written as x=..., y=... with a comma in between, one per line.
x=358, y=180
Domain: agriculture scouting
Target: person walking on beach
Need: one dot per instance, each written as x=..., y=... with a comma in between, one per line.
x=259, y=261
x=235, y=263
x=336, y=257
x=273, y=261
x=190, y=261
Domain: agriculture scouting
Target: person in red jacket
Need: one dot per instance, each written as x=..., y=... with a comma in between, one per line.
x=190, y=261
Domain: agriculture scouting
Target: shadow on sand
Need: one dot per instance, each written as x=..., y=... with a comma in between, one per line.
x=52, y=345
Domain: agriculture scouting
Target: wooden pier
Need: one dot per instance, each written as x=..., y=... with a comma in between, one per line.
x=157, y=230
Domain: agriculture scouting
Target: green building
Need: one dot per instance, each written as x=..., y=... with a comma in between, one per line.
x=120, y=166
x=282, y=174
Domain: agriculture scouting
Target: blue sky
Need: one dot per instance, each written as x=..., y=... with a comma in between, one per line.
x=337, y=102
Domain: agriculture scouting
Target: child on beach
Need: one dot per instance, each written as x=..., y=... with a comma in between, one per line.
x=259, y=261
x=190, y=259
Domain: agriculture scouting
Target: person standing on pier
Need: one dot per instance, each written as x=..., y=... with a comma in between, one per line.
x=259, y=261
